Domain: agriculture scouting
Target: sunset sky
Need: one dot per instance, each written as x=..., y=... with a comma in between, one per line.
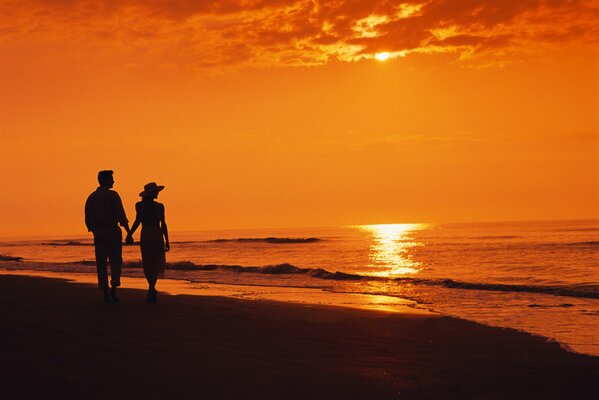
x=279, y=113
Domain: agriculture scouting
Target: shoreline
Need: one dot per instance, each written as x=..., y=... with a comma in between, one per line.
x=289, y=294
x=307, y=296
x=59, y=338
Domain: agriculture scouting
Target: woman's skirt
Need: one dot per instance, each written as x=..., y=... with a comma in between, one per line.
x=152, y=252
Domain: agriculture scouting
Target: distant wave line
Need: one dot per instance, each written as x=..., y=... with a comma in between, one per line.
x=270, y=239
x=284, y=240
x=67, y=243
x=10, y=258
x=488, y=247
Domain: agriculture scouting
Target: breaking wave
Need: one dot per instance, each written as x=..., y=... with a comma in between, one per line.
x=590, y=291
x=267, y=269
x=583, y=291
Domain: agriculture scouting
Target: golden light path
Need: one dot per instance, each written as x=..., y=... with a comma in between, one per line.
x=390, y=248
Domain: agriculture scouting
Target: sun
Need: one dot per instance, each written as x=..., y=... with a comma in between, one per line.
x=382, y=56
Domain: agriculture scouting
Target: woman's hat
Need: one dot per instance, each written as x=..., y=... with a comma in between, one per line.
x=151, y=188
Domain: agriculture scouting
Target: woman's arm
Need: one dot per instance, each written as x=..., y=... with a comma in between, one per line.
x=167, y=245
x=136, y=223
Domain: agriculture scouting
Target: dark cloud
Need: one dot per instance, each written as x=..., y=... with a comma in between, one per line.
x=269, y=32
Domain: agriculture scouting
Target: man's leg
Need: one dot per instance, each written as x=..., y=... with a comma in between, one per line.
x=101, y=263
x=115, y=256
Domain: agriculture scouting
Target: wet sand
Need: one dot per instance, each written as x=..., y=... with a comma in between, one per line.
x=59, y=339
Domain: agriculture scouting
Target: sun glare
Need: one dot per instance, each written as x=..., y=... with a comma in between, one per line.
x=382, y=56
x=389, y=252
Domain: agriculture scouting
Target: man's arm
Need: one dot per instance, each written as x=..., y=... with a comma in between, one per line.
x=120, y=213
x=88, y=214
x=126, y=226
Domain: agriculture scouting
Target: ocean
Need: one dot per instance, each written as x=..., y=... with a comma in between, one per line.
x=538, y=277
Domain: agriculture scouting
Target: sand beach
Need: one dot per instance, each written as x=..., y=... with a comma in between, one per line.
x=59, y=340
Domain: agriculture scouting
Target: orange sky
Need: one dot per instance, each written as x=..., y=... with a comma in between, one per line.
x=276, y=113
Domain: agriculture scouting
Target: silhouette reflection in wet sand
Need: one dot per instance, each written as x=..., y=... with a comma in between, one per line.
x=154, y=236
x=103, y=213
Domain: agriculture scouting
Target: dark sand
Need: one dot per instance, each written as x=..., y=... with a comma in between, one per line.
x=59, y=341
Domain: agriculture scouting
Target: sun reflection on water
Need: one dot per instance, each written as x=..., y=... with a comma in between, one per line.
x=389, y=251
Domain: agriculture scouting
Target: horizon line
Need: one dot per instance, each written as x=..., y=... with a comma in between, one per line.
x=48, y=235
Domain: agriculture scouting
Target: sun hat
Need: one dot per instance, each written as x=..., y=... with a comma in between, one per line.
x=151, y=188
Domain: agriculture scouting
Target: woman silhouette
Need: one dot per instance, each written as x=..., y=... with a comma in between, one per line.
x=154, y=236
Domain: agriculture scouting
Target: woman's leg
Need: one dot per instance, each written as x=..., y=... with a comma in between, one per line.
x=151, y=289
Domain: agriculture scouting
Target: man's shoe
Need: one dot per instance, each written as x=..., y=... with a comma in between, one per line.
x=113, y=295
x=107, y=298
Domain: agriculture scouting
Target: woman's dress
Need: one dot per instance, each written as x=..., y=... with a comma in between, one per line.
x=153, y=259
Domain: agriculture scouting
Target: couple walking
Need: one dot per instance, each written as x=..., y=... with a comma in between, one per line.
x=104, y=212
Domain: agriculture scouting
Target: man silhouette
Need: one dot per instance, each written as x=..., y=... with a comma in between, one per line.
x=103, y=213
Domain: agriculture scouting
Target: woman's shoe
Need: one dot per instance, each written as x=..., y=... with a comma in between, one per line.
x=151, y=296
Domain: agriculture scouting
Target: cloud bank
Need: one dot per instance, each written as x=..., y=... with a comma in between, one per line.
x=229, y=33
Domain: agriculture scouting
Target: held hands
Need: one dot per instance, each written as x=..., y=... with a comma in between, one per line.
x=129, y=240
